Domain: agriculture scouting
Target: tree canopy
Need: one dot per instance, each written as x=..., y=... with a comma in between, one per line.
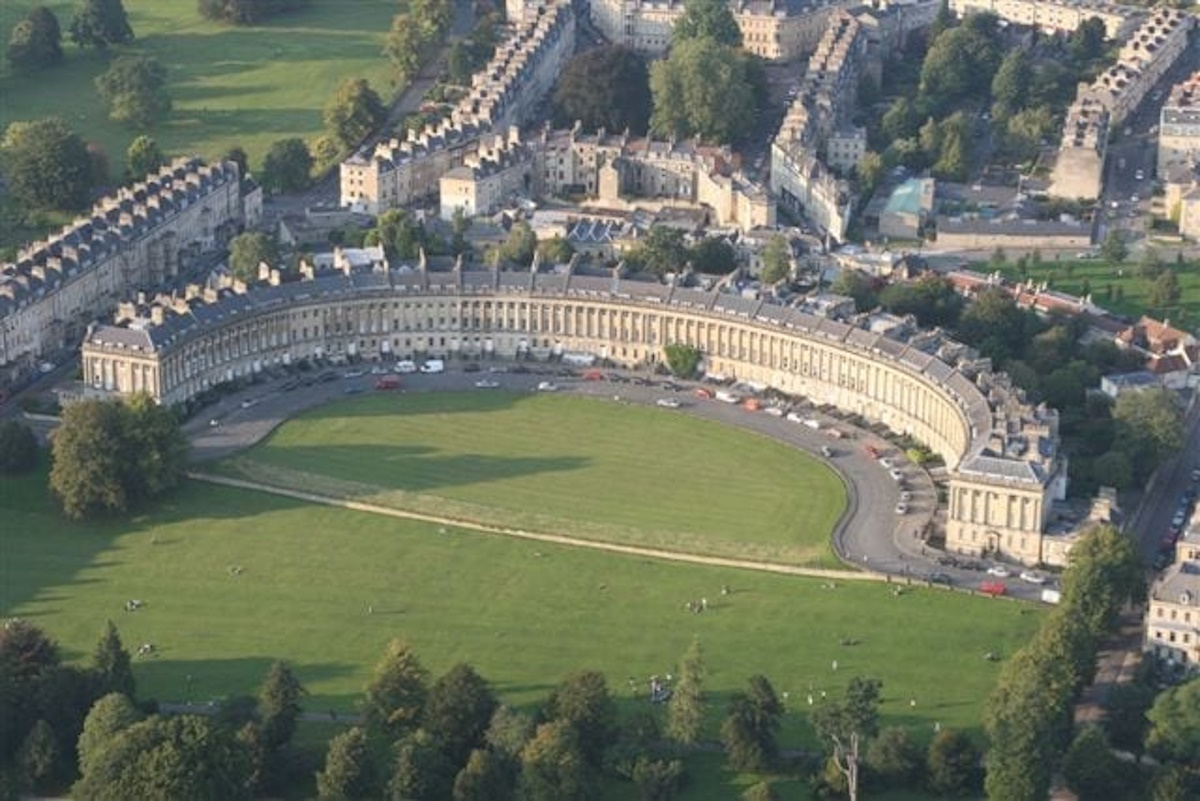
x=35, y=41
x=606, y=87
x=707, y=90
x=246, y=12
x=46, y=164
x=1149, y=426
x=707, y=19
x=144, y=157
x=348, y=771
x=396, y=693
x=458, y=711
x=1175, y=724
x=134, y=90
x=583, y=701
x=661, y=250
x=354, y=112
x=99, y=23
x=287, y=165
x=961, y=63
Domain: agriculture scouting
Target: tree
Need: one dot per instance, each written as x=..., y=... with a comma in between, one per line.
x=1025, y=131
x=111, y=663
x=1116, y=469
x=931, y=299
x=776, y=259
x=403, y=47
x=1089, y=765
x=134, y=90
x=237, y=155
x=1149, y=426
x=848, y=724
x=458, y=711
x=400, y=236
x=1126, y=721
x=751, y=727
x=1087, y=41
x=325, y=151
x=685, y=710
x=707, y=19
x=99, y=23
x=858, y=285
x=354, y=112
x=605, y=87
x=279, y=705
x=245, y=12
x=143, y=157
x=36, y=41
x=247, y=251
x=555, y=250
x=458, y=64
x=657, y=779
x=1104, y=574
x=1113, y=248
x=18, y=447
x=287, y=165
x=1010, y=86
x=683, y=360
x=176, y=757
x=870, y=170
x=421, y=769
x=396, y=693
x=583, y=701
x=348, y=772
x=155, y=446
x=509, y=732
x=554, y=767
x=713, y=255
x=1165, y=291
x=894, y=758
x=953, y=764
x=433, y=16
x=1175, y=724
x=38, y=758
x=706, y=90
x=661, y=251
x=87, y=457
x=520, y=245
x=1148, y=265
x=46, y=165
x=107, y=718
x=483, y=778
x=960, y=64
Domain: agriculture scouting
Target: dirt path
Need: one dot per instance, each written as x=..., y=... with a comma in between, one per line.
x=556, y=539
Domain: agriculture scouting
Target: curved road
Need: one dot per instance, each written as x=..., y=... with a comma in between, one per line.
x=871, y=534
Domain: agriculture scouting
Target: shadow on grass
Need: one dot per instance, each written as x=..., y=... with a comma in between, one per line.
x=416, y=403
x=200, y=681
x=231, y=122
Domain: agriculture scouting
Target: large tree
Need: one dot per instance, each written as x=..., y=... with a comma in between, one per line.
x=38, y=758
x=606, y=87
x=776, y=259
x=554, y=767
x=108, y=717
x=1105, y=573
x=1175, y=724
x=354, y=112
x=401, y=236
x=661, y=250
x=349, y=772
x=1091, y=770
x=248, y=250
x=88, y=457
x=143, y=157
x=953, y=764
x=111, y=663
x=396, y=693
x=583, y=701
x=1149, y=427
x=279, y=705
x=685, y=710
x=706, y=90
x=960, y=64
x=99, y=23
x=36, y=41
x=848, y=725
x=245, y=12
x=287, y=165
x=707, y=19
x=46, y=165
x=134, y=88
x=483, y=778
x=1010, y=85
x=520, y=245
x=458, y=710
x=751, y=728
x=421, y=769
x=403, y=47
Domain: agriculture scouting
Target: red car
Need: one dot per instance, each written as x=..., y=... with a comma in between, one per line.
x=388, y=382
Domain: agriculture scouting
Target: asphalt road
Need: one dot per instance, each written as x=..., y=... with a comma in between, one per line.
x=871, y=534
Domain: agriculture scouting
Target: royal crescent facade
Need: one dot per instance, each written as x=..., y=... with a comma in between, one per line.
x=1001, y=453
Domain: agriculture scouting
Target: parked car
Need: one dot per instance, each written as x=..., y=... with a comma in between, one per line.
x=547, y=386
x=433, y=366
x=406, y=366
x=906, y=496
x=999, y=571
x=941, y=578
x=902, y=508
x=667, y=403
x=388, y=382
x=353, y=374
x=895, y=474
x=827, y=451
x=487, y=383
x=1030, y=577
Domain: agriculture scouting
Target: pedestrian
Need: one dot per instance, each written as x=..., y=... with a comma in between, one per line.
x=835, y=666
x=704, y=603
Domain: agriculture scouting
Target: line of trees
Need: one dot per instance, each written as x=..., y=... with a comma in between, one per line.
x=246, y=12
x=411, y=34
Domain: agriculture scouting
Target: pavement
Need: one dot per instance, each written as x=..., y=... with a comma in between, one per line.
x=871, y=535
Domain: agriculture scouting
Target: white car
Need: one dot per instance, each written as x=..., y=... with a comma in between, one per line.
x=1140, y=175
x=353, y=374
x=1030, y=577
x=827, y=451
x=406, y=366
x=667, y=403
x=774, y=411
x=895, y=474
x=433, y=366
x=999, y=571
x=487, y=383
x=901, y=508
x=213, y=423
x=248, y=402
x=906, y=496
x=547, y=386
x=1135, y=199
x=886, y=463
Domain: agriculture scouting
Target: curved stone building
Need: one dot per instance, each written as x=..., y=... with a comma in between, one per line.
x=1001, y=453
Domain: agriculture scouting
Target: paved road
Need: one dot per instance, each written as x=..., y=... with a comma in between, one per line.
x=871, y=535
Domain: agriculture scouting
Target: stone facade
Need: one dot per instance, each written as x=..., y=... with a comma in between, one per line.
x=132, y=240
x=502, y=94
x=1173, y=614
x=1055, y=16
x=1179, y=128
x=1002, y=454
x=1079, y=166
x=800, y=179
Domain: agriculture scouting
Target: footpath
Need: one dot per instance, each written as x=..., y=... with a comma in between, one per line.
x=556, y=539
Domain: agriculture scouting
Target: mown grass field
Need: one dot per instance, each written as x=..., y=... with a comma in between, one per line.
x=231, y=85
x=564, y=465
x=526, y=614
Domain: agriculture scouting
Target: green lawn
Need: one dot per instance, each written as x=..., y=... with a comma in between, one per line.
x=231, y=85
x=524, y=613
x=1132, y=300
x=563, y=464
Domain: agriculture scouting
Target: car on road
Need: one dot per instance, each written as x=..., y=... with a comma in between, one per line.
x=406, y=366
x=1179, y=519
x=353, y=374
x=1196, y=475
x=379, y=369
x=547, y=386
x=249, y=402
x=941, y=578
x=487, y=383
x=999, y=571
x=667, y=403
x=433, y=366
x=827, y=451
x=213, y=423
x=1140, y=175
x=906, y=496
x=886, y=463
x=895, y=474
x=902, y=508
x=703, y=393
x=1029, y=577
x=1134, y=199
x=388, y=382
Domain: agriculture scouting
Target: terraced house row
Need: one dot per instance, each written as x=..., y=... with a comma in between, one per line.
x=1003, y=454
x=135, y=239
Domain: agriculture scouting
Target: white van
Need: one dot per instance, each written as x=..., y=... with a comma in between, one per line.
x=727, y=397
x=406, y=366
x=433, y=366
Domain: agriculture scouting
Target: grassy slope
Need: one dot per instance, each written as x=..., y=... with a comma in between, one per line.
x=525, y=614
x=589, y=468
x=247, y=86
